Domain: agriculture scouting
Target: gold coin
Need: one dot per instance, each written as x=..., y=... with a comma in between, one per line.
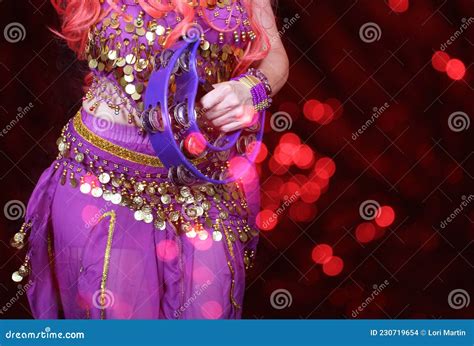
x=150, y=36
x=130, y=89
x=93, y=63
x=130, y=59
x=160, y=30
x=205, y=45
x=112, y=54
x=129, y=28
x=128, y=69
x=120, y=62
x=140, y=31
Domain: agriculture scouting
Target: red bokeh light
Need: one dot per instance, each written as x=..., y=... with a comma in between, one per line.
x=386, y=216
x=211, y=310
x=266, y=220
x=289, y=188
x=302, y=212
x=399, y=6
x=284, y=153
x=321, y=253
x=276, y=167
x=336, y=106
x=365, y=232
x=440, y=60
x=455, y=69
x=303, y=157
x=313, y=110
x=262, y=153
x=195, y=143
x=167, y=250
x=333, y=266
x=290, y=138
x=325, y=168
x=328, y=115
x=310, y=192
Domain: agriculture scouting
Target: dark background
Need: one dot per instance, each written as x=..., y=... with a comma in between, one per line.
x=409, y=159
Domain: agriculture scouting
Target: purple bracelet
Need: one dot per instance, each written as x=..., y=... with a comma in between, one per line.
x=261, y=76
x=260, y=96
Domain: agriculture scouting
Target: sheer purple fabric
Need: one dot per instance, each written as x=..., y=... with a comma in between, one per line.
x=92, y=259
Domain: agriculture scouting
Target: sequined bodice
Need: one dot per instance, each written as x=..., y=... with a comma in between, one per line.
x=126, y=51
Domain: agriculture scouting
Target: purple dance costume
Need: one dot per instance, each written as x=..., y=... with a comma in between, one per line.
x=110, y=236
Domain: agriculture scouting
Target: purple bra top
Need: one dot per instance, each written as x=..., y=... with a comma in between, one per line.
x=127, y=52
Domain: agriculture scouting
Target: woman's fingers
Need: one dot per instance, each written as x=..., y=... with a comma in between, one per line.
x=216, y=96
x=234, y=126
x=223, y=120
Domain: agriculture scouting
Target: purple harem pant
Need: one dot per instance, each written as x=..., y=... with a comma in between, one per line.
x=91, y=256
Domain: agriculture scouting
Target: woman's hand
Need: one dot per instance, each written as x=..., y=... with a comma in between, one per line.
x=229, y=107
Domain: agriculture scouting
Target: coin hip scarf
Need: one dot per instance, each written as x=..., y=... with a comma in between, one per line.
x=108, y=233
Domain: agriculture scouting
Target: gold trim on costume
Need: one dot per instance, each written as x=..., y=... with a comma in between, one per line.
x=230, y=247
x=117, y=150
x=108, y=249
x=112, y=148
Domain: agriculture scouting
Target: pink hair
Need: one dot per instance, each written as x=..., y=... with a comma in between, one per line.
x=79, y=15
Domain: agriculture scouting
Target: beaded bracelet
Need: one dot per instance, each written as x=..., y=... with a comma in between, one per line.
x=259, y=92
x=262, y=77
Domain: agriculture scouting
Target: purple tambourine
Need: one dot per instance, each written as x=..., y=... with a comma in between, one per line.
x=171, y=119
